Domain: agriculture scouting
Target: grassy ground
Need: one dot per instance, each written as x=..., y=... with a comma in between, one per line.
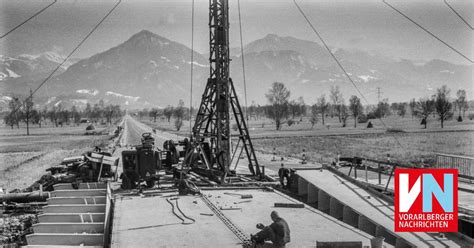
x=25, y=158
x=406, y=140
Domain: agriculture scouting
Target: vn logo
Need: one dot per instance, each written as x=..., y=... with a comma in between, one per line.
x=426, y=200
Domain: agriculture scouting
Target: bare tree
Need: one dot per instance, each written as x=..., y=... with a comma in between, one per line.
x=424, y=108
x=88, y=111
x=178, y=115
x=28, y=111
x=178, y=112
x=154, y=113
x=314, y=115
x=55, y=115
x=297, y=108
x=442, y=104
x=97, y=111
x=323, y=106
x=356, y=108
x=412, y=106
x=278, y=98
x=293, y=108
x=52, y=115
x=402, y=109
x=337, y=100
x=344, y=114
x=301, y=107
x=75, y=115
x=9, y=119
x=143, y=112
x=36, y=117
x=109, y=113
x=461, y=102
x=64, y=117
x=13, y=118
x=43, y=115
x=383, y=108
x=168, y=112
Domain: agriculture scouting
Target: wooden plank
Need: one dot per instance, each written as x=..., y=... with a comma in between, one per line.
x=64, y=239
x=77, y=200
x=69, y=227
x=74, y=208
x=71, y=217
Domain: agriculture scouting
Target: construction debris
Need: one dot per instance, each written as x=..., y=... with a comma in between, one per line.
x=288, y=205
x=15, y=228
x=230, y=208
x=207, y=214
x=242, y=196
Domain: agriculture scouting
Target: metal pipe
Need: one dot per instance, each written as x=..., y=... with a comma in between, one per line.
x=35, y=196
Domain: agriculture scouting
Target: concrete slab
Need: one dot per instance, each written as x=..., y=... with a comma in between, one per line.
x=137, y=217
x=375, y=210
x=150, y=222
x=307, y=225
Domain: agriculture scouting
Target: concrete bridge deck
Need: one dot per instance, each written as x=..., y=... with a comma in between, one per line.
x=151, y=217
x=344, y=200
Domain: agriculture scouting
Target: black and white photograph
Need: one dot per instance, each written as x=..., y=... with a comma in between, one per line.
x=236, y=123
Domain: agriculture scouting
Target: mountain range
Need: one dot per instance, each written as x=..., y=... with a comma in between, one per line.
x=148, y=70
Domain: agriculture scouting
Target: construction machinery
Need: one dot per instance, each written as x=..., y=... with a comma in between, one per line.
x=209, y=152
x=355, y=215
x=141, y=164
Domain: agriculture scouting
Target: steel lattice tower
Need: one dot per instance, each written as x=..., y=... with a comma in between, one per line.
x=211, y=131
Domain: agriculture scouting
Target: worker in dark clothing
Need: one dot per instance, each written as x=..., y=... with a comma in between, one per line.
x=278, y=232
x=284, y=175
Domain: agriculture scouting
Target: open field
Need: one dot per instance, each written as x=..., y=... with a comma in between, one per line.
x=25, y=158
x=414, y=148
x=409, y=143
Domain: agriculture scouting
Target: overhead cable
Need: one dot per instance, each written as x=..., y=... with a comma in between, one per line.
x=29, y=18
x=429, y=32
x=338, y=62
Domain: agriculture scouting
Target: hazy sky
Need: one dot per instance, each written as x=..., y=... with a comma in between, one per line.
x=363, y=24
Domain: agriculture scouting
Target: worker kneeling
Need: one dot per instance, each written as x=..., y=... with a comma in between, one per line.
x=278, y=232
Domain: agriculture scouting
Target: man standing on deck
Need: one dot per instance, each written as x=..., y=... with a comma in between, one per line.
x=284, y=173
x=278, y=232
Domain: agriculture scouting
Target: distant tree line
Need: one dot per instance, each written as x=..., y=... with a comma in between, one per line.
x=178, y=112
x=282, y=110
x=440, y=106
x=279, y=109
x=32, y=114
